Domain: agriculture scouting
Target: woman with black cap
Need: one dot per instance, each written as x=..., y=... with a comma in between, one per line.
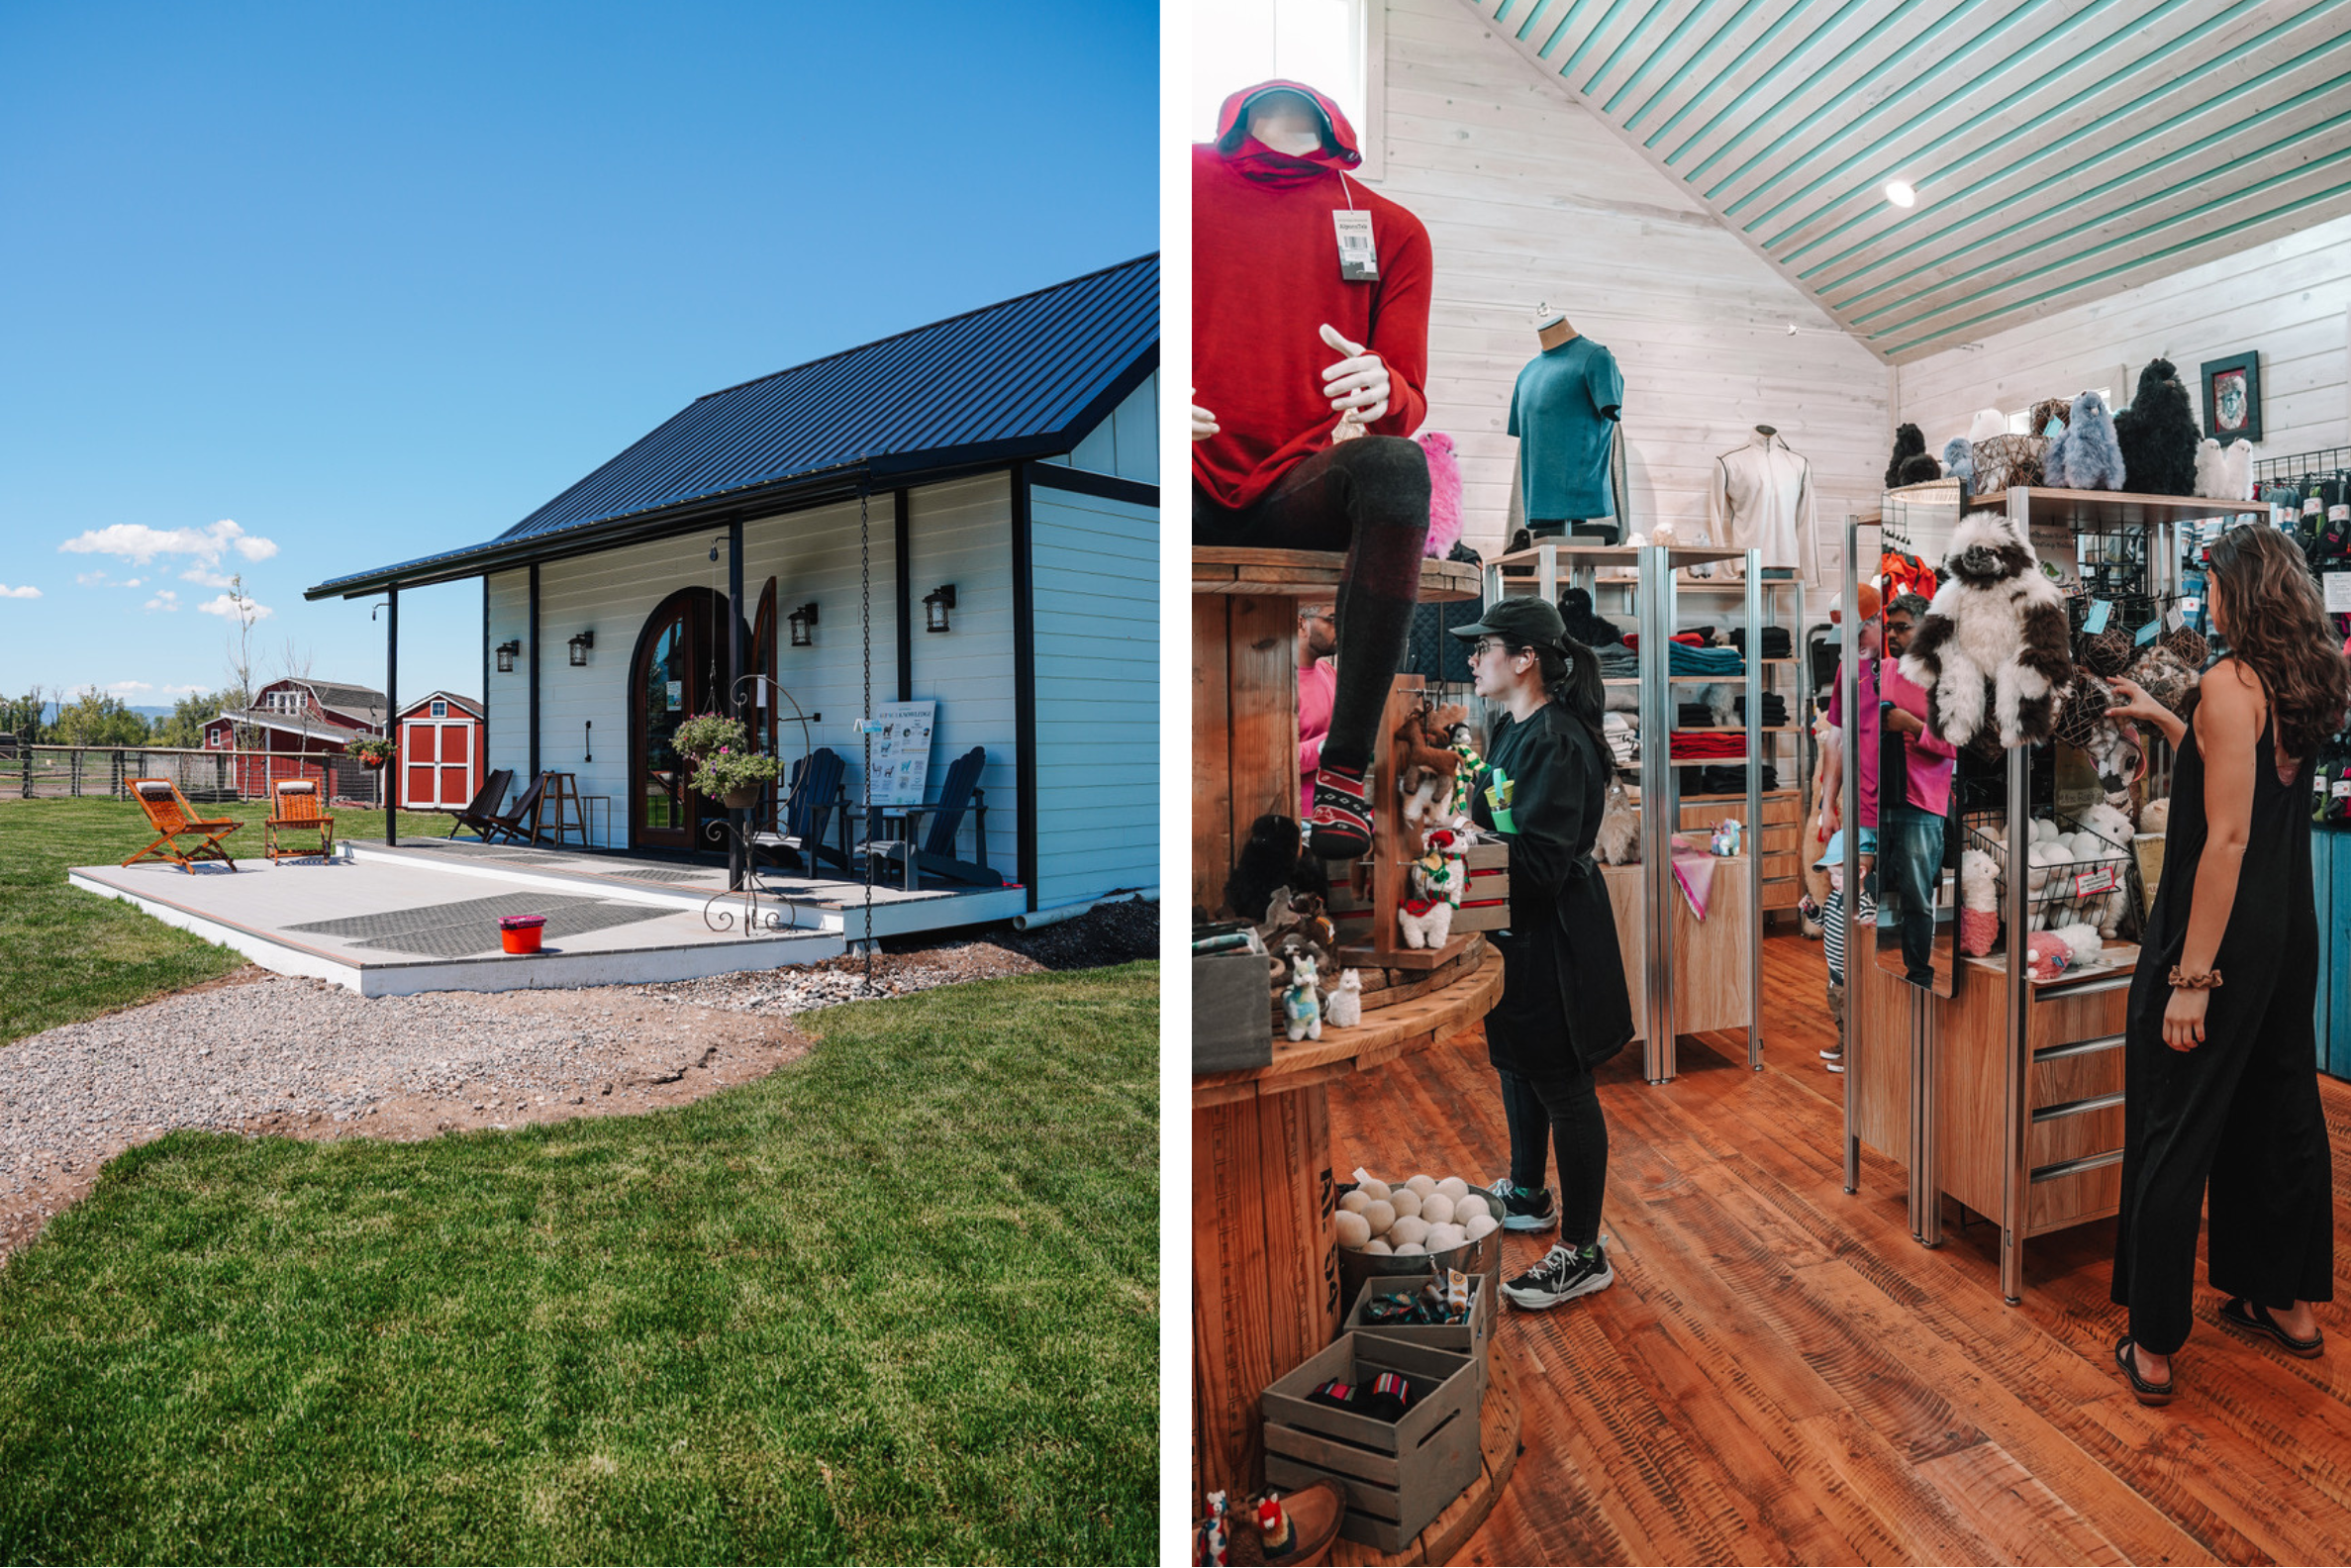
x=1564, y=1009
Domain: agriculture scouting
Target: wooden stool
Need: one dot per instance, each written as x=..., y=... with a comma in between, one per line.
x=561, y=810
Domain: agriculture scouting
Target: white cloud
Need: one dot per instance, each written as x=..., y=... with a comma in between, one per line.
x=96, y=579
x=164, y=599
x=140, y=544
x=28, y=591
x=182, y=691
x=207, y=579
x=133, y=582
x=129, y=688
x=233, y=608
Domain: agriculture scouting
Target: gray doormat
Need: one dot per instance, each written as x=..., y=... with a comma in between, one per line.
x=457, y=931
x=651, y=874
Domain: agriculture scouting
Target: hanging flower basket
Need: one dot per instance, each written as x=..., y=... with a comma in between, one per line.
x=372, y=753
x=736, y=778
x=372, y=762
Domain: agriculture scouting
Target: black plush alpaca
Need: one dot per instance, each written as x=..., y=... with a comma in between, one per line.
x=1920, y=468
x=1908, y=442
x=2158, y=434
x=1575, y=607
x=1271, y=860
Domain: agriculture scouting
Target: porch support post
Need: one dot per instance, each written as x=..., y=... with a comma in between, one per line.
x=535, y=677
x=1024, y=685
x=738, y=819
x=905, y=552
x=397, y=763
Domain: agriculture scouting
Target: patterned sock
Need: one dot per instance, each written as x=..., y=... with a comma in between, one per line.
x=1342, y=817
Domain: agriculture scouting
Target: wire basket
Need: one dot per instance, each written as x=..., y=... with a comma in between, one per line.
x=2097, y=886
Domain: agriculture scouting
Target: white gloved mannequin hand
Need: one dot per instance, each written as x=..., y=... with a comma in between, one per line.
x=1204, y=423
x=1357, y=385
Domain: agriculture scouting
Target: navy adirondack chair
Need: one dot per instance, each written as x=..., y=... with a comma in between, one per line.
x=481, y=814
x=509, y=826
x=816, y=799
x=935, y=846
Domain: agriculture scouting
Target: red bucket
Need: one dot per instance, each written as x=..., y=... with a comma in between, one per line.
x=519, y=932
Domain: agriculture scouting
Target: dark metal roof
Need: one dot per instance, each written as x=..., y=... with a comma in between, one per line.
x=1025, y=378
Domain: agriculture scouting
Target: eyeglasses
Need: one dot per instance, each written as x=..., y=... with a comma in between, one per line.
x=1485, y=645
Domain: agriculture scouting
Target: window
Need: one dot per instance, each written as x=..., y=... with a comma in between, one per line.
x=440, y=710
x=1333, y=45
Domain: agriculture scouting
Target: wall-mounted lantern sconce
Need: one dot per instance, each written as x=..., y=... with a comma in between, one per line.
x=506, y=657
x=579, y=646
x=936, y=604
x=804, y=626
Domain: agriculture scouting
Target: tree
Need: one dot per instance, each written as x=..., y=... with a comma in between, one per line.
x=23, y=716
x=240, y=660
x=189, y=716
x=94, y=719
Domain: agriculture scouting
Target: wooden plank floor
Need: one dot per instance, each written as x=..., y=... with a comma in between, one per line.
x=1781, y=1374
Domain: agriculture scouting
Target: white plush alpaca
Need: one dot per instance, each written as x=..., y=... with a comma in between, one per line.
x=1301, y=1007
x=1344, y=1009
x=2111, y=828
x=1999, y=621
x=1424, y=922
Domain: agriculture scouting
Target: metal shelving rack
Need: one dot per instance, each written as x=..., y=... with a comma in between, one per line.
x=1654, y=585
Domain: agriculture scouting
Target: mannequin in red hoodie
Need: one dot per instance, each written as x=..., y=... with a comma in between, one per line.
x=1309, y=379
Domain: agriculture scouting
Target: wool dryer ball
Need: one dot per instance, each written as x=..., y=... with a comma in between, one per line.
x=1377, y=1246
x=1468, y=1206
x=1445, y=1238
x=1436, y=1209
x=1354, y=1202
x=1453, y=1187
x=1423, y=1183
x=1405, y=1200
x=1408, y=1228
x=1371, y=1188
x=1411, y=1250
x=1482, y=1226
x=1379, y=1215
x=1353, y=1229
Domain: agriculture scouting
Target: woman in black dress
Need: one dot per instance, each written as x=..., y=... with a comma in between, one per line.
x=2219, y=1078
x=1564, y=1009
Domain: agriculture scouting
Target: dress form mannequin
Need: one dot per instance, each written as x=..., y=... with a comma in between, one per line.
x=1761, y=497
x=1313, y=361
x=1564, y=410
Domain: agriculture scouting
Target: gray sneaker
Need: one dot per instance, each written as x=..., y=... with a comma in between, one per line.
x=1564, y=1274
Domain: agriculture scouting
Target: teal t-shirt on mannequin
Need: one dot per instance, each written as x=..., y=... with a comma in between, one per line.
x=1563, y=411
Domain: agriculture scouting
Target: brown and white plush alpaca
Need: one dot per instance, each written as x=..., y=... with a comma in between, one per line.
x=1426, y=761
x=1997, y=625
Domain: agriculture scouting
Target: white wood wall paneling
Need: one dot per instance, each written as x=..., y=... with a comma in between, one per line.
x=2139, y=206
x=962, y=533
x=1127, y=443
x=2287, y=299
x=1960, y=315
x=1942, y=91
x=507, y=701
x=1886, y=233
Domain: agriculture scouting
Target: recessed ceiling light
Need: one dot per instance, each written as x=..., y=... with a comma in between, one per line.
x=1902, y=193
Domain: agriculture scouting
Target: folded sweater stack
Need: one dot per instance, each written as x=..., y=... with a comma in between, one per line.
x=1777, y=644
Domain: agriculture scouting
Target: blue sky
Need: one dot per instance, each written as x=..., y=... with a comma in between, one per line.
x=294, y=291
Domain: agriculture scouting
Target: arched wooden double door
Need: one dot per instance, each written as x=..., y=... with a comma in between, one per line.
x=682, y=668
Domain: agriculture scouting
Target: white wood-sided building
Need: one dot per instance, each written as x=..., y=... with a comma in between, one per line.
x=1002, y=465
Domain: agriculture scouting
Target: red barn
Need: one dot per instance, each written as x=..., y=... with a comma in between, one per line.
x=441, y=752
x=302, y=724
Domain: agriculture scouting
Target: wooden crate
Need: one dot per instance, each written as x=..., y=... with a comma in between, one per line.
x=1397, y=1478
x=1231, y=1027
x=1474, y=1338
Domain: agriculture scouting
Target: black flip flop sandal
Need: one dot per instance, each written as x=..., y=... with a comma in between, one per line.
x=2148, y=1393
x=2255, y=1318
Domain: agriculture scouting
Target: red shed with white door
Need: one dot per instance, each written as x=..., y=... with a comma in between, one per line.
x=441, y=752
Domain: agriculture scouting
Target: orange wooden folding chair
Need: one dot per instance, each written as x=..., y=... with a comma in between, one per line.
x=169, y=814
x=294, y=806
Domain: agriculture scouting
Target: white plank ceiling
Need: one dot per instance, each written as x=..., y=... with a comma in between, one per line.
x=2062, y=150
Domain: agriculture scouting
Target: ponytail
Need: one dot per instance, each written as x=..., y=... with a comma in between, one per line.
x=1571, y=678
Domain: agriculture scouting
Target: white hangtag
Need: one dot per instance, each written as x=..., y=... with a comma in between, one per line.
x=1358, y=260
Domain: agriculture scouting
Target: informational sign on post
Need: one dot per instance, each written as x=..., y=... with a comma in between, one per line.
x=2337, y=585
x=902, y=752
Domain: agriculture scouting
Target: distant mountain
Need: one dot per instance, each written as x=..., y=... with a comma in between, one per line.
x=152, y=712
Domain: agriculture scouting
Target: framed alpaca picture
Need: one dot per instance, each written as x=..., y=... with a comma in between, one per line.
x=2232, y=398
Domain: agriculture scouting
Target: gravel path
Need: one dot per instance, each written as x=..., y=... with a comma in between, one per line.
x=264, y=1053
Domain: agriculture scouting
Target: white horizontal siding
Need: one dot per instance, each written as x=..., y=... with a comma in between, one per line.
x=1096, y=578
x=1126, y=444
x=1529, y=197
x=506, y=706
x=2288, y=299
x=962, y=533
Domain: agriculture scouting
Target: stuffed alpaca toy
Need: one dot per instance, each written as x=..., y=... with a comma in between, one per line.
x=1908, y=442
x=1270, y=860
x=1618, y=839
x=1444, y=494
x=2083, y=946
x=1458, y=741
x=1442, y=871
x=1425, y=763
x=2111, y=828
x=1920, y=468
x=1302, y=1006
x=2156, y=434
x=1575, y=607
x=2223, y=473
x=1959, y=461
x=1424, y=922
x=2156, y=816
x=1344, y=1007
x=2045, y=956
x=1997, y=623
x=2088, y=455
x=1979, y=902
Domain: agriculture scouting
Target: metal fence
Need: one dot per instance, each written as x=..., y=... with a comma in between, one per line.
x=56, y=773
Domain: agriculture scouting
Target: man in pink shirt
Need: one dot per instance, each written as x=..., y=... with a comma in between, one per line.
x=1318, y=687
x=1912, y=809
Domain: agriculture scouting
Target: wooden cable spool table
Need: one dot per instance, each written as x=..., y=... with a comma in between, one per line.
x=1266, y=1282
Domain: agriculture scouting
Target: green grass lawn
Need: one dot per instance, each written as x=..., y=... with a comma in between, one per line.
x=896, y=1302
x=70, y=954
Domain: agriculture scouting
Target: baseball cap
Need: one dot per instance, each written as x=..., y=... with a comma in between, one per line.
x=1533, y=621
